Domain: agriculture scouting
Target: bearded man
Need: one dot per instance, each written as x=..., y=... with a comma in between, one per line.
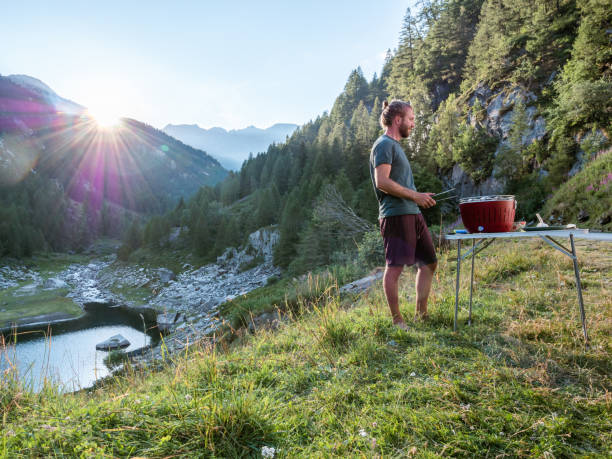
x=405, y=234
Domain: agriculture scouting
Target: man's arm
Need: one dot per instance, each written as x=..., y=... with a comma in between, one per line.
x=386, y=185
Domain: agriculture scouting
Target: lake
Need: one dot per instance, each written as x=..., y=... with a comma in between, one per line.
x=66, y=354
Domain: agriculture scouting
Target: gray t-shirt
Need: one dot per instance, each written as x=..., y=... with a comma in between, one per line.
x=388, y=151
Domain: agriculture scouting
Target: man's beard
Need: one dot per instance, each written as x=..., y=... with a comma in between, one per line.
x=404, y=131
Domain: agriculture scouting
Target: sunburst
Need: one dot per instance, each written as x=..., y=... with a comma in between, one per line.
x=104, y=118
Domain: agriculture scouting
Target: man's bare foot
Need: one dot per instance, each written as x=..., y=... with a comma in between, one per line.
x=402, y=325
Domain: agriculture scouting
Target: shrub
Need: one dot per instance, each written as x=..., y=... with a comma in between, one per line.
x=474, y=150
x=370, y=250
x=589, y=190
x=124, y=252
x=586, y=103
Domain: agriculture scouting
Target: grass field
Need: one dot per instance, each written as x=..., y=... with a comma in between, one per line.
x=42, y=302
x=48, y=264
x=338, y=380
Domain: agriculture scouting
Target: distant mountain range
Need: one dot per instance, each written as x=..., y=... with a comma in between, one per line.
x=133, y=165
x=231, y=148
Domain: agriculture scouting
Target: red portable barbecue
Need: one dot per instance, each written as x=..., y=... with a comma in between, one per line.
x=488, y=214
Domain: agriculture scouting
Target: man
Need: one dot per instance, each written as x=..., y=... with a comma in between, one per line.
x=405, y=235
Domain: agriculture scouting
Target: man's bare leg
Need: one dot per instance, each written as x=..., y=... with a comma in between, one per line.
x=424, y=278
x=391, y=287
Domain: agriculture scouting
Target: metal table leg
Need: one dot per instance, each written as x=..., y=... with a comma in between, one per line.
x=457, y=284
x=579, y=288
x=556, y=245
x=472, y=280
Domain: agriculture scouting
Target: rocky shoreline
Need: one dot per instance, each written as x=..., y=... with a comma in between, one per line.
x=195, y=293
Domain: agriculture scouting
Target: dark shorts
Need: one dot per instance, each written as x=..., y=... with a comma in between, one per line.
x=407, y=240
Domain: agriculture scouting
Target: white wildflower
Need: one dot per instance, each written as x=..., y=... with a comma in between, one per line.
x=363, y=433
x=188, y=397
x=413, y=374
x=268, y=451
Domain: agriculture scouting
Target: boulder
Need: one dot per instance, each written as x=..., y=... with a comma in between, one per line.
x=114, y=342
x=165, y=322
x=165, y=275
x=53, y=283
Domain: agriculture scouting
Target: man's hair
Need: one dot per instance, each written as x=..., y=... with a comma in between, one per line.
x=391, y=110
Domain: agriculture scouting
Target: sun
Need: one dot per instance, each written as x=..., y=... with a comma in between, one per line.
x=104, y=118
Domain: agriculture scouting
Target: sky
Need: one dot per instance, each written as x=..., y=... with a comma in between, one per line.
x=212, y=63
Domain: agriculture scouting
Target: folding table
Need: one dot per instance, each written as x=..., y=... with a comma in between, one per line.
x=485, y=239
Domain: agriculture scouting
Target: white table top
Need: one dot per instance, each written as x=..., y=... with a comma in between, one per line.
x=578, y=234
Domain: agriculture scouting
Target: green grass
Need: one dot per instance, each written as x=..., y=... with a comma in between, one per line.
x=338, y=380
x=167, y=258
x=42, y=302
x=289, y=295
x=135, y=295
x=49, y=264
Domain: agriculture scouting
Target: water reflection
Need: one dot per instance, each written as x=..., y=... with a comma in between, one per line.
x=69, y=360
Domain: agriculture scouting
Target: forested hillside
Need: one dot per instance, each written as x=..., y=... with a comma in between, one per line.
x=511, y=96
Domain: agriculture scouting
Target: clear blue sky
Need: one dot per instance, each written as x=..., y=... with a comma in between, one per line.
x=214, y=63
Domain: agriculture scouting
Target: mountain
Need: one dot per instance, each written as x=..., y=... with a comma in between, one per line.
x=49, y=146
x=231, y=148
x=62, y=142
x=38, y=87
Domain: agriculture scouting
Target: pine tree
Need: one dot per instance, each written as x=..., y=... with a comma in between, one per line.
x=291, y=222
x=402, y=64
x=355, y=90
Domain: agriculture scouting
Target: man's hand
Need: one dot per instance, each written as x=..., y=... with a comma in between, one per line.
x=385, y=184
x=424, y=200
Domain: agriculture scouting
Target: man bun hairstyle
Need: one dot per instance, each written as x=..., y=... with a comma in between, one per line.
x=391, y=110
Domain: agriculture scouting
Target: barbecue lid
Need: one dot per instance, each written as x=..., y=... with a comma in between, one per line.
x=496, y=197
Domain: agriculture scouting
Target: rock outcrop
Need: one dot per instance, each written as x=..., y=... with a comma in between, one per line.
x=498, y=110
x=197, y=292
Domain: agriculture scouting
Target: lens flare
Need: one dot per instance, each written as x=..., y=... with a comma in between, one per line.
x=104, y=118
